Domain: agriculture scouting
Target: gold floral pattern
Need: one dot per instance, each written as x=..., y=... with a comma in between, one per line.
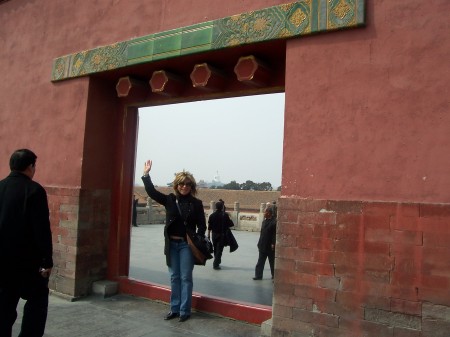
x=341, y=13
x=298, y=17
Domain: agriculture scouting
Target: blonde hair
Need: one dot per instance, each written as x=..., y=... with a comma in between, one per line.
x=181, y=177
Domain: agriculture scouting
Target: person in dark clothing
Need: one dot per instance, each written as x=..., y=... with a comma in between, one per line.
x=25, y=247
x=184, y=213
x=219, y=223
x=134, y=218
x=266, y=243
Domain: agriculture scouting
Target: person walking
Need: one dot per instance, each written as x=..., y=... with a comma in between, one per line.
x=219, y=223
x=134, y=216
x=25, y=247
x=266, y=243
x=184, y=213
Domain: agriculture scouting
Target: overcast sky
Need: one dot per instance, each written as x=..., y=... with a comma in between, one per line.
x=237, y=139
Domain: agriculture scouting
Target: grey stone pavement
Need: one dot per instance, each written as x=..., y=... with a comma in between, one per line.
x=130, y=316
x=233, y=282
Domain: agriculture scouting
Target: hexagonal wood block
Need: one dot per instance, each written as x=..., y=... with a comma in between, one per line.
x=252, y=71
x=164, y=83
x=127, y=86
x=206, y=77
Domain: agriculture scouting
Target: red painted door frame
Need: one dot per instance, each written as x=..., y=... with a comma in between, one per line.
x=120, y=236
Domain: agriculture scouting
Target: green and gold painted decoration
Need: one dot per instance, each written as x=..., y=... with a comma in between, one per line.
x=285, y=21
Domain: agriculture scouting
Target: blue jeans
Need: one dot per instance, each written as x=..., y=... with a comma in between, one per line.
x=182, y=265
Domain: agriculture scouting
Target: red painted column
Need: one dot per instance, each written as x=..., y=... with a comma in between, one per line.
x=120, y=229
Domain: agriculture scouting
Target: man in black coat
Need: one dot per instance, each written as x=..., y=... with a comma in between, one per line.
x=134, y=217
x=266, y=243
x=25, y=247
x=219, y=223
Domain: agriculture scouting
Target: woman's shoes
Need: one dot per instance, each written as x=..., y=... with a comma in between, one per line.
x=257, y=278
x=171, y=315
x=184, y=318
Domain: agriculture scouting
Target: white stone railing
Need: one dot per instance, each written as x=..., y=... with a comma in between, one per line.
x=245, y=221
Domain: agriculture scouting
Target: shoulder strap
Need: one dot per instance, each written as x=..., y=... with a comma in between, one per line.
x=178, y=206
x=181, y=213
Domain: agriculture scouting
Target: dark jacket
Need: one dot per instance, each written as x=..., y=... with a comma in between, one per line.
x=135, y=204
x=196, y=221
x=25, y=235
x=267, y=236
x=219, y=222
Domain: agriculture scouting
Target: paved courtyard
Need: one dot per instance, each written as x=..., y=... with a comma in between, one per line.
x=234, y=281
x=129, y=316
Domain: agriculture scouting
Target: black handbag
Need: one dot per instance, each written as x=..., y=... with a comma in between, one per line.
x=201, y=246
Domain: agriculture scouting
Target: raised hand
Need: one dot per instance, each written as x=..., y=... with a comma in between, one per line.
x=147, y=167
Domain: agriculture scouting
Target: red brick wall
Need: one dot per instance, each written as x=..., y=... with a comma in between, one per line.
x=348, y=269
x=80, y=226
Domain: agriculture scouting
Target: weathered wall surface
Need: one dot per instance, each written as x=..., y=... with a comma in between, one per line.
x=75, y=127
x=364, y=218
x=367, y=109
x=354, y=269
x=50, y=117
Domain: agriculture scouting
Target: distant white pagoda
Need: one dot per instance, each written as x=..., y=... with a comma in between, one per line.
x=216, y=180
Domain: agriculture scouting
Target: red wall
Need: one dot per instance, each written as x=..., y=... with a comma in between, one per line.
x=50, y=117
x=367, y=109
x=363, y=232
x=355, y=269
x=78, y=129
